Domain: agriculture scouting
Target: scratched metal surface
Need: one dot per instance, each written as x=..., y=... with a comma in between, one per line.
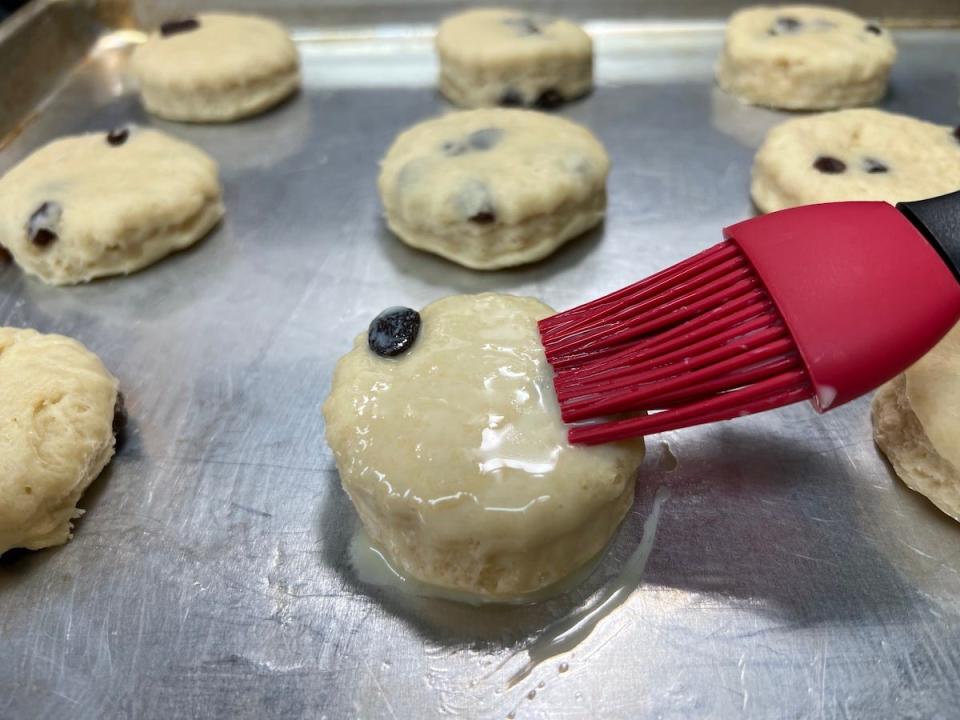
x=792, y=576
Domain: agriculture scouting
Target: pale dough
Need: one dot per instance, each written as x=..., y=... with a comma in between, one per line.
x=225, y=68
x=456, y=458
x=916, y=422
x=854, y=155
x=805, y=57
x=85, y=206
x=496, y=56
x=57, y=404
x=493, y=188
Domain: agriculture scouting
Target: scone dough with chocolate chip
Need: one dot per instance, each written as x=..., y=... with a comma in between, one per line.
x=58, y=405
x=106, y=203
x=805, y=57
x=916, y=422
x=449, y=442
x=216, y=67
x=493, y=188
x=854, y=155
x=507, y=57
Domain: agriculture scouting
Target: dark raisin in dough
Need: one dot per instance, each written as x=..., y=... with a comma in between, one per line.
x=829, y=165
x=173, y=27
x=119, y=421
x=523, y=26
x=872, y=166
x=5, y=255
x=484, y=139
x=784, y=25
x=875, y=29
x=956, y=132
x=393, y=331
x=483, y=217
x=511, y=98
x=548, y=100
x=42, y=226
x=452, y=148
x=118, y=136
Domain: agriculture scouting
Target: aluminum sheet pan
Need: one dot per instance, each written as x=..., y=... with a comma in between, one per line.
x=791, y=575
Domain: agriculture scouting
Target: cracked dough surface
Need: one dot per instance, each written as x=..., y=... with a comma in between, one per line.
x=916, y=422
x=456, y=458
x=804, y=57
x=227, y=68
x=113, y=208
x=884, y=156
x=56, y=434
x=496, y=56
x=493, y=188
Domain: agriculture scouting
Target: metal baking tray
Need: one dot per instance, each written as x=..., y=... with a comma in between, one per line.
x=791, y=574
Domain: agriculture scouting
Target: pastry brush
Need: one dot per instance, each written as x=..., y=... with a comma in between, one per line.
x=820, y=302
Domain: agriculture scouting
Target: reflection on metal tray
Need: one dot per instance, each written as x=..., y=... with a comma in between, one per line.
x=791, y=574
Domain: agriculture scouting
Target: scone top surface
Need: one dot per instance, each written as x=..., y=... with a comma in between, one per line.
x=933, y=387
x=882, y=156
x=56, y=415
x=496, y=37
x=469, y=165
x=113, y=206
x=456, y=457
x=223, y=49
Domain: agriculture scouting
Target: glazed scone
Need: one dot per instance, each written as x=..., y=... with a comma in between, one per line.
x=916, y=422
x=854, y=155
x=59, y=408
x=493, y=188
x=451, y=447
x=805, y=57
x=497, y=56
x=106, y=203
x=216, y=67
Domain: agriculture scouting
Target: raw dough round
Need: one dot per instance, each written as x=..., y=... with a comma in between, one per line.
x=805, y=57
x=854, y=155
x=508, y=57
x=216, y=67
x=57, y=404
x=493, y=188
x=916, y=422
x=106, y=203
x=456, y=458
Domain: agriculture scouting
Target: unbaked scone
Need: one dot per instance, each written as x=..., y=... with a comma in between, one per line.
x=916, y=422
x=854, y=155
x=106, y=203
x=59, y=411
x=497, y=56
x=804, y=57
x=216, y=67
x=450, y=444
x=493, y=188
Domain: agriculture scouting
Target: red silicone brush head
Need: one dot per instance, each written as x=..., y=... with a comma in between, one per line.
x=822, y=302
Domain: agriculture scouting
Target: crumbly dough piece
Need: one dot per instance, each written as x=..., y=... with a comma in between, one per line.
x=507, y=57
x=805, y=57
x=854, y=155
x=916, y=422
x=57, y=404
x=456, y=458
x=216, y=67
x=106, y=203
x=493, y=188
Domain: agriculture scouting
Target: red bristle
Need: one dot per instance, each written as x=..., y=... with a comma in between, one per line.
x=697, y=342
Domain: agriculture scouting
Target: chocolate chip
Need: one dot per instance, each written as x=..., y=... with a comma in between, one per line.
x=42, y=226
x=393, y=331
x=829, y=165
x=784, y=25
x=484, y=217
x=523, y=26
x=485, y=138
x=119, y=421
x=511, y=98
x=874, y=166
x=875, y=29
x=118, y=136
x=548, y=100
x=174, y=27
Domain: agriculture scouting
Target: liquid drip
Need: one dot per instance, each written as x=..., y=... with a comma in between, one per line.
x=565, y=634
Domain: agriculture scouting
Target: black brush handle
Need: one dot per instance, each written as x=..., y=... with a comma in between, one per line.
x=938, y=219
